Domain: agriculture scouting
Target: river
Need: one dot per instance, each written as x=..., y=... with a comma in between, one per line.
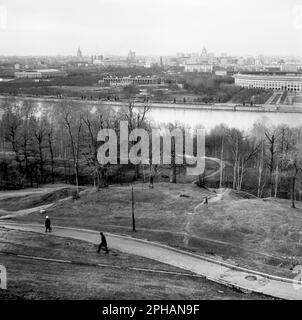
x=239, y=119
x=192, y=115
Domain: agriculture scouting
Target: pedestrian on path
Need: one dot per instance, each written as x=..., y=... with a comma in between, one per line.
x=47, y=224
x=103, y=243
x=205, y=201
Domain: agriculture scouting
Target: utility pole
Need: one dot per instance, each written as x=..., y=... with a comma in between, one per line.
x=133, y=219
x=221, y=164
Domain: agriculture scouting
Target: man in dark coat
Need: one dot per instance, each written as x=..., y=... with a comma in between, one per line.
x=103, y=243
x=47, y=224
x=205, y=201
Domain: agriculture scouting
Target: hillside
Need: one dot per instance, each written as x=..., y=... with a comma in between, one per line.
x=260, y=233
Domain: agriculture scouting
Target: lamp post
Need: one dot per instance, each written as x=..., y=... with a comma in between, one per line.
x=133, y=219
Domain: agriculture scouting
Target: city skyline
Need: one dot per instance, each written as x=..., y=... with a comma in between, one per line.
x=32, y=28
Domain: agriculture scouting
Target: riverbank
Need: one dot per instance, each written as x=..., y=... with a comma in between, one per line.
x=279, y=108
x=188, y=114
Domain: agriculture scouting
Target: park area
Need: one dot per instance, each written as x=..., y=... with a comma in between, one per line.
x=259, y=233
x=234, y=227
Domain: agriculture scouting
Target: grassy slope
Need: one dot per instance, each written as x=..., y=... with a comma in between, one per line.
x=29, y=198
x=249, y=232
x=30, y=279
x=159, y=208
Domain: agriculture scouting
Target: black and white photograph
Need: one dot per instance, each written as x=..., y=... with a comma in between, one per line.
x=150, y=150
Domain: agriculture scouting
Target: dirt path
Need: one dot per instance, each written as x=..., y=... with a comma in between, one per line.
x=24, y=212
x=190, y=215
x=31, y=191
x=220, y=272
x=214, y=173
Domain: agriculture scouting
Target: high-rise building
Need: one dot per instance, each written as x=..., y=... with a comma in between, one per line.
x=79, y=54
x=131, y=56
x=204, y=52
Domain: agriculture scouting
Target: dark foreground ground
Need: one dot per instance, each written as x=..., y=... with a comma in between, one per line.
x=36, y=279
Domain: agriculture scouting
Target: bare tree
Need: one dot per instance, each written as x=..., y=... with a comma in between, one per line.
x=136, y=119
x=50, y=140
x=74, y=124
x=293, y=168
x=93, y=123
x=221, y=164
x=243, y=150
x=40, y=134
x=271, y=138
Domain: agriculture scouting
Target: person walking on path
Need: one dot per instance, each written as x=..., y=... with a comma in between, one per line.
x=205, y=201
x=103, y=243
x=47, y=224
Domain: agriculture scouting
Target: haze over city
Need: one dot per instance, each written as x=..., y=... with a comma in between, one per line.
x=151, y=27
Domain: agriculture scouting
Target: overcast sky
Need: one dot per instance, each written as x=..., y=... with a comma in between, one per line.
x=150, y=27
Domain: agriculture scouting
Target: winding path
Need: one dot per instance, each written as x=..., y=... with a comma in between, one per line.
x=4, y=214
x=220, y=272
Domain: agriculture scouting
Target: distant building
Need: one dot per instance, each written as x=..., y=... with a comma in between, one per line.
x=284, y=82
x=221, y=72
x=115, y=62
x=290, y=67
x=224, y=61
x=250, y=61
x=194, y=55
x=131, y=56
x=198, y=67
x=148, y=64
x=170, y=62
x=40, y=74
x=79, y=54
x=127, y=81
x=272, y=68
x=211, y=57
x=204, y=57
x=97, y=59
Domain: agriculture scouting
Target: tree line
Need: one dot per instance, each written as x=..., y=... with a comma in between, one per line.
x=59, y=144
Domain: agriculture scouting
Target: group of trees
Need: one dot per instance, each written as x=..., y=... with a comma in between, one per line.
x=266, y=160
x=211, y=87
x=251, y=95
x=222, y=89
x=59, y=143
